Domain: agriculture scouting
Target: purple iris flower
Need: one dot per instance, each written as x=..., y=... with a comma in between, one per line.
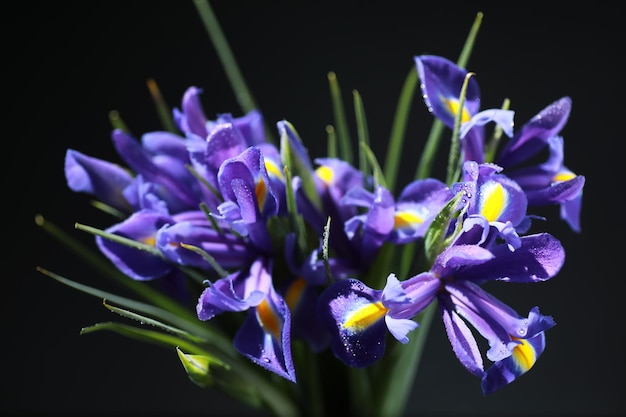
x=387, y=220
x=250, y=198
x=493, y=199
x=165, y=233
x=265, y=335
x=358, y=317
x=192, y=121
x=165, y=167
x=352, y=312
x=547, y=183
x=550, y=182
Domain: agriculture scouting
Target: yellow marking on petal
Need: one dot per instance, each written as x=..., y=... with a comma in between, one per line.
x=493, y=202
x=268, y=319
x=326, y=174
x=150, y=240
x=274, y=170
x=453, y=107
x=365, y=316
x=563, y=176
x=294, y=292
x=406, y=219
x=524, y=354
x=261, y=192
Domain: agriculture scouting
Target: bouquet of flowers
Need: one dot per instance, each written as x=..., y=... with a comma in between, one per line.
x=302, y=284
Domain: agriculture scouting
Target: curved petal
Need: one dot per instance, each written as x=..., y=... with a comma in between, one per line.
x=237, y=292
x=352, y=314
x=142, y=227
x=505, y=371
x=534, y=135
x=463, y=342
x=441, y=83
x=539, y=258
x=265, y=336
x=192, y=118
x=102, y=179
x=227, y=250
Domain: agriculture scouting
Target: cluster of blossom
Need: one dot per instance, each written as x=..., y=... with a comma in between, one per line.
x=289, y=240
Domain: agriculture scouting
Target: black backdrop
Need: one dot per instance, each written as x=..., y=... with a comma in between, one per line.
x=66, y=65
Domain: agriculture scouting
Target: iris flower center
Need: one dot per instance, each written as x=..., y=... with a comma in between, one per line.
x=365, y=316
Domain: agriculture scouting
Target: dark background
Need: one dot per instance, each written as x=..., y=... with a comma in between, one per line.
x=67, y=64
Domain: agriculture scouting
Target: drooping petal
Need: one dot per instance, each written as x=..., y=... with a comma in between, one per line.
x=463, y=342
x=557, y=192
x=175, y=190
x=352, y=313
x=102, y=179
x=534, y=135
x=570, y=212
x=237, y=292
x=524, y=356
x=265, y=337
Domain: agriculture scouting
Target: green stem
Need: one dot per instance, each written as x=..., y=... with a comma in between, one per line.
x=242, y=93
x=398, y=129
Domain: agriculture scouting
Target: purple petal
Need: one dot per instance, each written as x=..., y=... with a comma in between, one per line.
x=539, y=258
x=534, y=135
x=139, y=265
x=265, y=338
x=103, y=179
x=352, y=314
x=441, y=83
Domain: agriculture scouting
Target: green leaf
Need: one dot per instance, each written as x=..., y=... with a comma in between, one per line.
x=155, y=323
x=402, y=362
x=102, y=267
x=379, y=178
x=492, y=145
x=325, y=245
x=120, y=239
x=117, y=122
x=243, y=94
x=454, y=158
x=186, y=322
x=396, y=139
x=296, y=220
x=362, y=132
x=331, y=150
x=341, y=124
x=296, y=163
x=144, y=335
x=210, y=259
x=436, y=233
x=163, y=110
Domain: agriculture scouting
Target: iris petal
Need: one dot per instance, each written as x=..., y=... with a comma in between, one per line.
x=353, y=312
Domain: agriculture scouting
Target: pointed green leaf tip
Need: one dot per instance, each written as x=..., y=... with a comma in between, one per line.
x=198, y=368
x=434, y=240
